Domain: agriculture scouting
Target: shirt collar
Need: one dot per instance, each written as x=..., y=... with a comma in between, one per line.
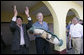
x=39, y=23
x=76, y=24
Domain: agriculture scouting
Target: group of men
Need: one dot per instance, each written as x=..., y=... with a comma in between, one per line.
x=21, y=41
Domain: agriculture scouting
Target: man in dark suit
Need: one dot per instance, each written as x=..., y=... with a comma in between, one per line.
x=20, y=44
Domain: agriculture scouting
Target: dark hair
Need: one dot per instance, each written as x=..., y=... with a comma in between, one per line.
x=80, y=20
x=20, y=17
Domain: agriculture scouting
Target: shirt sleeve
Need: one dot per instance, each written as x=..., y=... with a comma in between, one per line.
x=47, y=27
x=29, y=18
x=34, y=24
x=82, y=31
x=14, y=18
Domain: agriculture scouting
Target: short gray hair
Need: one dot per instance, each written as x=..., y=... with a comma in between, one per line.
x=76, y=18
x=39, y=13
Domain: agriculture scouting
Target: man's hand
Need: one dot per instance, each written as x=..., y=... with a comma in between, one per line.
x=27, y=11
x=69, y=37
x=15, y=11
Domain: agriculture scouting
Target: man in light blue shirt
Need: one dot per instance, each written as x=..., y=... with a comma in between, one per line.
x=43, y=26
x=42, y=46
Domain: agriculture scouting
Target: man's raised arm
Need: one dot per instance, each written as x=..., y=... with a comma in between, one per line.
x=29, y=25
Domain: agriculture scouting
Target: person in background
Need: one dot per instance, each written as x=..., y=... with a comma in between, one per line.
x=76, y=32
x=69, y=42
x=20, y=44
x=81, y=22
x=42, y=46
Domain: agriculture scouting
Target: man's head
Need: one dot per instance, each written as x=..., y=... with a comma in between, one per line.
x=75, y=20
x=39, y=16
x=81, y=21
x=19, y=20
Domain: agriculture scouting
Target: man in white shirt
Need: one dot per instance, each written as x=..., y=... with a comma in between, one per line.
x=20, y=44
x=76, y=32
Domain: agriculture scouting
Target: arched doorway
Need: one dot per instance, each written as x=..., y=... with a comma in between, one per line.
x=70, y=15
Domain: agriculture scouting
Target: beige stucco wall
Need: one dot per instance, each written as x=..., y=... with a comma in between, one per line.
x=59, y=10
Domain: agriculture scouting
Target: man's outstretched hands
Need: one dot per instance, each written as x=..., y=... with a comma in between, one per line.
x=15, y=11
x=27, y=11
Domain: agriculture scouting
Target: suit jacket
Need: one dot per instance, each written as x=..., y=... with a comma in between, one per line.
x=16, y=34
